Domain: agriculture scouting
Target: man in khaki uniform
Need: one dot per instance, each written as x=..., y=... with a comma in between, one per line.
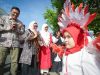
x=10, y=29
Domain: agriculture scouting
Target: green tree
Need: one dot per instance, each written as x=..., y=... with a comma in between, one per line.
x=51, y=17
x=2, y=12
x=58, y=5
x=94, y=6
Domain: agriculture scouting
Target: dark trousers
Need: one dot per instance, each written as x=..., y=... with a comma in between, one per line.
x=25, y=69
x=19, y=64
x=31, y=69
x=56, y=66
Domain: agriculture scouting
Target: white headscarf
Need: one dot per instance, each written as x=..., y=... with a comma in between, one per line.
x=45, y=34
x=31, y=26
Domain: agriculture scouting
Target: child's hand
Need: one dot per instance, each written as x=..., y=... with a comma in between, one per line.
x=96, y=43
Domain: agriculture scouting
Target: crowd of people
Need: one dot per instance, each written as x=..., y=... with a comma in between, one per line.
x=70, y=51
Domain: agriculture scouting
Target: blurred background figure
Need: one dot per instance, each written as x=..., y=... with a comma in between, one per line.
x=30, y=50
x=10, y=29
x=56, y=59
x=20, y=49
x=45, y=53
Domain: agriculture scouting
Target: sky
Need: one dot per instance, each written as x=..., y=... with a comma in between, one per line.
x=31, y=10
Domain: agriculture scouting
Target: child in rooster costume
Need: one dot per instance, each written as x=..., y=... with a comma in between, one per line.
x=81, y=56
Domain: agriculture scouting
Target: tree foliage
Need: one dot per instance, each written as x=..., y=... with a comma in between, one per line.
x=94, y=6
x=2, y=12
x=58, y=4
x=51, y=15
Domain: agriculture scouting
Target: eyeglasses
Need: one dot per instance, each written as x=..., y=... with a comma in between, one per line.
x=35, y=26
x=46, y=27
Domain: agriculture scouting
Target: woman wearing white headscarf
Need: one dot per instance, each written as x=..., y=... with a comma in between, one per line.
x=30, y=49
x=45, y=54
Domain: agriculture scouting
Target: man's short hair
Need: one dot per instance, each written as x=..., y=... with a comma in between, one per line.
x=16, y=9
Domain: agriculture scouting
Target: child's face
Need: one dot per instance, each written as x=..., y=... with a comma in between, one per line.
x=69, y=41
x=58, y=33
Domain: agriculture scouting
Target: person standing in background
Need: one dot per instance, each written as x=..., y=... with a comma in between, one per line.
x=10, y=29
x=31, y=46
x=45, y=53
x=20, y=49
x=56, y=60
